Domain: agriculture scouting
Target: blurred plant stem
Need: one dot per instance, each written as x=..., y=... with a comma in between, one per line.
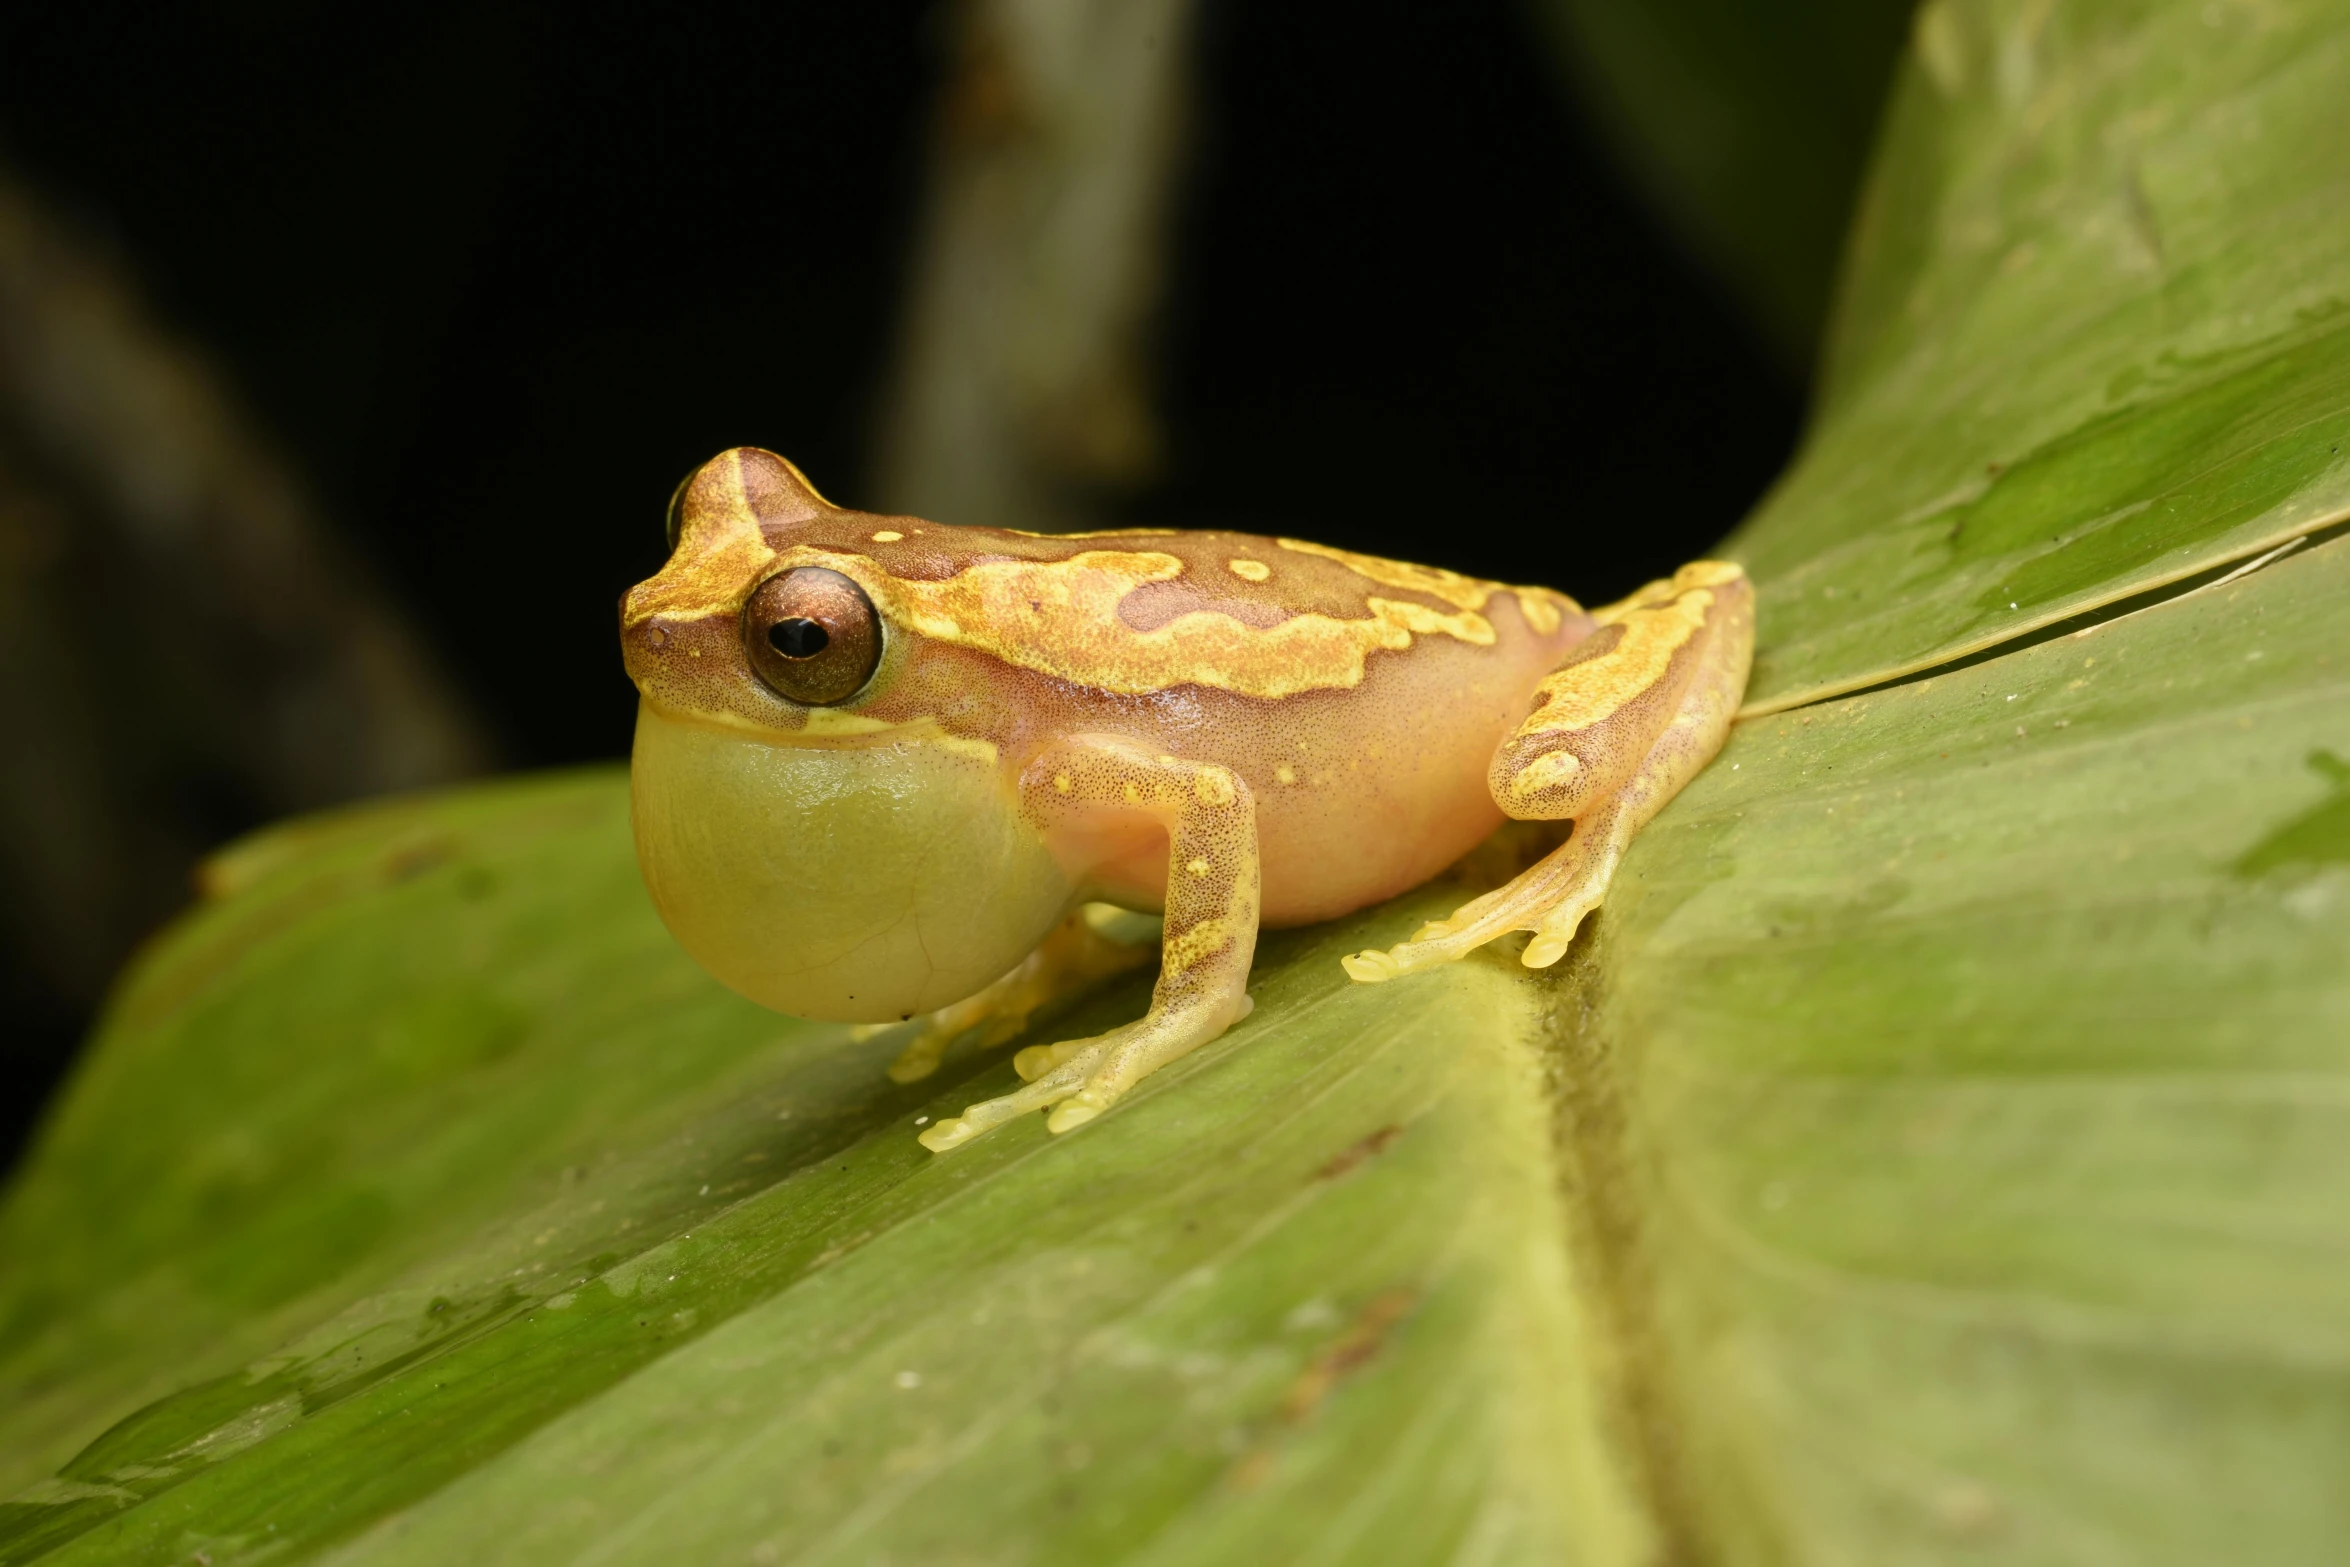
x=184, y=647
x=1746, y=126
x=1022, y=391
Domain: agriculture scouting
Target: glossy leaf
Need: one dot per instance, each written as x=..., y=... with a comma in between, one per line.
x=443, y=1190
x=1979, y=1051
x=2095, y=334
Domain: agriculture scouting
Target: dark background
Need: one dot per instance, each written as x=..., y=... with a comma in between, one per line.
x=496, y=282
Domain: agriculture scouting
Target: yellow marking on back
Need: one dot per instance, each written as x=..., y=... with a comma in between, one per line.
x=1458, y=591
x=1541, y=609
x=1583, y=695
x=1060, y=618
x=1697, y=574
x=1249, y=570
x=887, y=536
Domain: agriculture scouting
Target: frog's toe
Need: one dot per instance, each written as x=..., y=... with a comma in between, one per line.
x=1104, y=1088
x=1433, y=947
x=921, y=1056
x=952, y=1133
x=1436, y=943
x=1035, y=1061
x=1555, y=930
x=1061, y=1082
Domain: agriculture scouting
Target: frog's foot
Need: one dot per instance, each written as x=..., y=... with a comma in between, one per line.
x=1038, y=1060
x=1080, y=1078
x=1616, y=731
x=1062, y=1082
x=1550, y=900
x=1077, y=953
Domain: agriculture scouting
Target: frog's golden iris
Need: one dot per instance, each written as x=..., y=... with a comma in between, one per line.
x=882, y=761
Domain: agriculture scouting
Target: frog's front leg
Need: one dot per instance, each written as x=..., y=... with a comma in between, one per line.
x=1074, y=955
x=1641, y=706
x=1087, y=786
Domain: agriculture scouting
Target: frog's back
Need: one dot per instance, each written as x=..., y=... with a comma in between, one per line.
x=1360, y=698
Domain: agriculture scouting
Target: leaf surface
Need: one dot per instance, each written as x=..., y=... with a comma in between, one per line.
x=1978, y=1053
x=2094, y=336
x=540, y=1245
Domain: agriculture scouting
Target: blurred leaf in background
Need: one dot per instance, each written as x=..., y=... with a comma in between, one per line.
x=1747, y=126
x=186, y=645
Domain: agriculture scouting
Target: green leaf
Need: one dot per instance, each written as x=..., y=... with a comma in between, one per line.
x=1976, y=1050
x=2095, y=336
x=443, y=1188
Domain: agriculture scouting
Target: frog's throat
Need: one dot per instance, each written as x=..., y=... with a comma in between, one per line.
x=741, y=840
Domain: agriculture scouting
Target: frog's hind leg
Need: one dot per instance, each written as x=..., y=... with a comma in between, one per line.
x=1075, y=954
x=1616, y=732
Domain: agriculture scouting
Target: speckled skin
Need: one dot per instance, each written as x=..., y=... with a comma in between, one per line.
x=1310, y=730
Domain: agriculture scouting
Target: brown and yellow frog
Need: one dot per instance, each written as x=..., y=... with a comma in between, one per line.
x=882, y=764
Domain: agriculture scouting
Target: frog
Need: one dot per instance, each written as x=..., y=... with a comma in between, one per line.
x=888, y=770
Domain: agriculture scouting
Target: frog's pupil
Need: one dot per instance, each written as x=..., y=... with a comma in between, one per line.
x=797, y=637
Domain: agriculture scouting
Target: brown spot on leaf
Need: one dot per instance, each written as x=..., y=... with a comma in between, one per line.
x=1353, y=1349
x=1355, y=1153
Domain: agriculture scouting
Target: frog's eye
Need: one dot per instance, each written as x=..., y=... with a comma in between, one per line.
x=676, y=521
x=812, y=636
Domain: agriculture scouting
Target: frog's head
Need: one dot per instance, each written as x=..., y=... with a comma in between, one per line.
x=820, y=847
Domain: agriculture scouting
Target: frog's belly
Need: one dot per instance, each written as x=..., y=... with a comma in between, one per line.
x=1363, y=794
x=1318, y=866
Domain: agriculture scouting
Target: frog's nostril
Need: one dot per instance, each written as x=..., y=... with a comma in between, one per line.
x=798, y=637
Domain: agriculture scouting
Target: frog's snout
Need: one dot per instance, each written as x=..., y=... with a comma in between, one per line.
x=645, y=640
x=642, y=642
x=686, y=619
x=688, y=663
